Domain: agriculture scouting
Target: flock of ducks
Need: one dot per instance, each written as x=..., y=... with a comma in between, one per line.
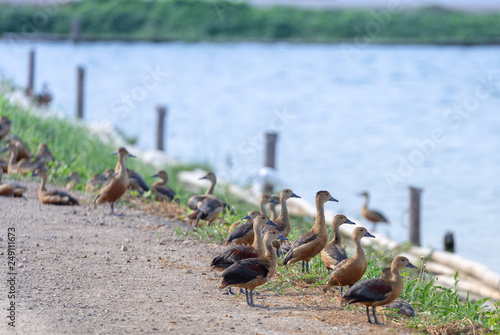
x=255, y=246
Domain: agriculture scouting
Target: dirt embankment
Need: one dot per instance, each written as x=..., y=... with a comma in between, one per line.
x=80, y=271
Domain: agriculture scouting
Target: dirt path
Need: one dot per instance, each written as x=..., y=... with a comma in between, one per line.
x=81, y=271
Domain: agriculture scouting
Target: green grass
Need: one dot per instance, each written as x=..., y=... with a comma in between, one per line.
x=195, y=20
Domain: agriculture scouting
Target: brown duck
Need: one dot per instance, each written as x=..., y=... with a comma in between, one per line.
x=350, y=270
x=10, y=189
x=160, y=188
x=44, y=156
x=370, y=214
x=52, y=197
x=403, y=307
x=74, y=178
x=23, y=166
x=253, y=272
x=118, y=185
x=333, y=253
x=311, y=243
x=195, y=200
x=378, y=292
x=283, y=220
x=244, y=234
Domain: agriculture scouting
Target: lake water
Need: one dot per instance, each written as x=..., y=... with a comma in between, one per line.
x=350, y=118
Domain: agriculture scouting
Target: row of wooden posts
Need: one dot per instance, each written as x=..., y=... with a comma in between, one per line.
x=271, y=140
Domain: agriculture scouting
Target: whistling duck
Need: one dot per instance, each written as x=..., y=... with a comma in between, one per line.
x=272, y=207
x=403, y=307
x=370, y=214
x=23, y=166
x=94, y=182
x=350, y=270
x=252, y=272
x=283, y=220
x=378, y=292
x=74, y=178
x=23, y=152
x=11, y=189
x=239, y=252
x=333, y=252
x=195, y=200
x=136, y=182
x=208, y=210
x=108, y=174
x=160, y=188
x=249, y=217
x=4, y=127
x=311, y=243
x=118, y=185
x=52, y=197
x=234, y=254
x=43, y=156
x=244, y=233
x=44, y=98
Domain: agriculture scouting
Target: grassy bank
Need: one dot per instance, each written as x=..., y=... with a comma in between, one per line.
x=439, y=310
x=195, y=20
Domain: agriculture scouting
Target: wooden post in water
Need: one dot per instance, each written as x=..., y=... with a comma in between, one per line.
x=270, y=157
x=449, y=242
x=160, y=127
x=31, y=74
x=79, y=91
x=415, y=215
x=75, y=30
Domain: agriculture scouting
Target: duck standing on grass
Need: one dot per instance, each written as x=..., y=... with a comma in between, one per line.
x=52, y=197
x=118, y=185
x=311, y=243
x=160, y=188
x=334, y=253
x=195, y=200
x=378, y=292
x=350, y=270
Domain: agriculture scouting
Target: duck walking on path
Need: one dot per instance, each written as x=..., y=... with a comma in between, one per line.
x=118, y=185
x=311, y=243
x=350, y=270
x=52, y=197
x=378, y=292
x=253, y=272
x=334, y=253
x=370, y=214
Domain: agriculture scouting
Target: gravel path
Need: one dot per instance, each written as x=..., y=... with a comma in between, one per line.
x=80, y=271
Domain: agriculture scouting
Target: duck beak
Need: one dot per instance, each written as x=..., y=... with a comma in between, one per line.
x=155, y=175
x=269, y=222
x=204, y=177
x=4, y=149
x=273, y=201
x=281, y=237
x=34, y=174
x=131, y=156
x=409, y=265
x=294, y=195
x=247, y=217
x=367, y=234
x=348, y=221
x=68, y=177
x=114, y=153
x=333, y=199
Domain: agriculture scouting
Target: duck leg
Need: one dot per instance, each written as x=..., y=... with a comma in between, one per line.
x=229, y=291
x=368, y=314
x=375, y=316
x=252, y=304
x=112, y=204
x=303, y=266
x=246, y=295
x=307, y=267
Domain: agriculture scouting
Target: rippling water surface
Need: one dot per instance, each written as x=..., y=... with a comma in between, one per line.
x=375, y=118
